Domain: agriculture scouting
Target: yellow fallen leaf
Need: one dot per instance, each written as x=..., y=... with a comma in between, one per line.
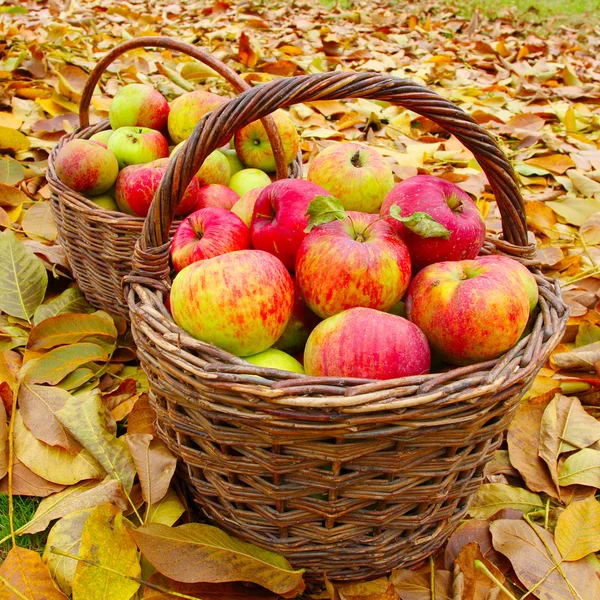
x=555, y=163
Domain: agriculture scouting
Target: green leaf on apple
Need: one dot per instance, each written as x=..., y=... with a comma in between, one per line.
x=421, y=223
x=324, y=209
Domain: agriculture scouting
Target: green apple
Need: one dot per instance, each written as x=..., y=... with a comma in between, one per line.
x=102, y=137
x=275, y=359
x=248, y=179
x=105, y=201
x=137, y=145
x=235, y=164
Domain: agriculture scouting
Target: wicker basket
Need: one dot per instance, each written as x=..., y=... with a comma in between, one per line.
x=349, y=477
x=99, y=243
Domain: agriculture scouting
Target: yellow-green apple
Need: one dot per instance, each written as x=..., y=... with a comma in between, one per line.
x=280, y=217
x=187, y=110
x=521, y=271
x=355, y=174
x=275, y=359
x=86, y=167
x=215, y=169
x=137, y=145
x=105, y=201
x=240, y=301
x=301, y=323
x=139, y=105
x=244, y=207
x=207, y=233
x=216, y=196
x=470, y=311
x=102, y=137
x=235, y=164
x=137, y=184
x=248, y=179
x=447, y=204
x=363, y=342
x=254, y=149
x=357, y=261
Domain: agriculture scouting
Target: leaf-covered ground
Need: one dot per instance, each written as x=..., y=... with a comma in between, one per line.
x=81, y=430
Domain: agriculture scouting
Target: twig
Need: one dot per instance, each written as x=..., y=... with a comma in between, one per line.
x=432, y=577
x=11, y=460
x=13, y=589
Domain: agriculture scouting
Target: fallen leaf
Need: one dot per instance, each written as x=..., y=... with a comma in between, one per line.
x=196, y=552
x=167, y=510
x=581, y=468
x=577, y=531
x=26, y=573
x=11, y=171
x=39, y=224
x=26, y=483
x=556, y=163
x=11, y=139
x=493, y=497
x=105, y=542
x=586, y=186
x=477, y=585
x=575, y=210
x=378, y=589
x=70, y=301
x=416, y=586
x=247, y=52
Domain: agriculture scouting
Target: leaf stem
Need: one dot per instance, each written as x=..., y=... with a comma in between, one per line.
x=481, y=567
x=432, y=577
x=152, y=586
x=547, y=513
x=13, y=589
x=11, y=460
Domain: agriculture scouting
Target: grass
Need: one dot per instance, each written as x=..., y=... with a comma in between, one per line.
x=24, y=507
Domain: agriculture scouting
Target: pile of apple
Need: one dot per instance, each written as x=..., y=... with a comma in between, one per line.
x=349, y=275
x=121, y=168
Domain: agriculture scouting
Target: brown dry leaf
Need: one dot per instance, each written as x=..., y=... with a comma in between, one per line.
x=26, y=573
x=125, y=390
x=523, y=446
x=477, y=585
x=555, y=163
x=39, y=224
x=247, y=53
x=142, y=417
x=541, y=218
x=27, y=483
x=193, y=552
x=523, y=125
x=155, y=465
x=582, y=358
x=577, y=531
x=416, y=586
x=535, y=562
x=378, y=589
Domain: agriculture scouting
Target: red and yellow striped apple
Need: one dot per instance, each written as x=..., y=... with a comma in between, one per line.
x=279, y=217
x=244, y=207
x=215, y=195
x=358, y=176
x=359, y=261
x=470, y=311
x=187, y=110
x=363, y=342
x=446, y=203
x=240, y=301
x=206, y=233
x=139, y=105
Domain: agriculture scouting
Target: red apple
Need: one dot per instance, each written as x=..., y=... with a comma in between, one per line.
x=215, y=169
x=446, y=203
x=187, y=110
x=359, y=261
x=137, y=184
x=358, y=176
x=244, y=207
x=254, y=149
x=240, y=301
x=206, y=233
x=521, y=271
x=216, y=196
x=279, y=217
x=87, y=167
x=301, y=323
x=137, y=145
x=139, y=105
x=470, y=311
x=362, y=342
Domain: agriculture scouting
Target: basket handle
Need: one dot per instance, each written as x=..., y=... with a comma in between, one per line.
x=199, y=54
x=253, y=104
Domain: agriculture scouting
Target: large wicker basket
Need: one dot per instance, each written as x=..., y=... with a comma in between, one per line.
x=349, y=477
x=99, y=243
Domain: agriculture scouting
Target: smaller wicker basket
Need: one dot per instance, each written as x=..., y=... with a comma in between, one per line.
x=349, y=477
x=99, y=243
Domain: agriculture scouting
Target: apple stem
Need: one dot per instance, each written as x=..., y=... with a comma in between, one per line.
x=355, y=160
x=454, y=203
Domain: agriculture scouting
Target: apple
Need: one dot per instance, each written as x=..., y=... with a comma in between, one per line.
x=216, y=196
x=447, y=204
x=355, y=174
x=470, y=311
x=244, y=207
x=235, y=164
x=275, y=359
x=137, y=145
x=138, y=105
x=240, y=301
x=215, y=169
x=279, y=217
x=522, y=272
x=137, y=184
x=254, y=148
x=105, y=201
x=206, y=233
x=102, y=137
x=187, y=110
x=248, y=179
x=301, y=323
x=358, y=261
x=363, y=342
x=86, y=167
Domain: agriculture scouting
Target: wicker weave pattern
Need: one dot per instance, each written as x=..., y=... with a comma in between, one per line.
x=351, y=477
x=99, y=243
